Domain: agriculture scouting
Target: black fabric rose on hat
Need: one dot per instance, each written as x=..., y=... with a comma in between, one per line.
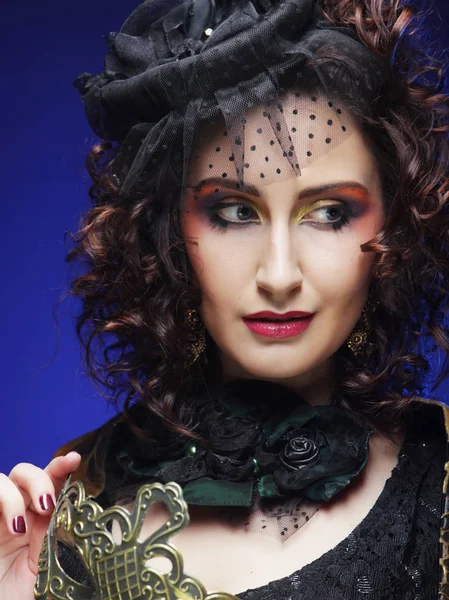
x=151, y=66
x=175, y=65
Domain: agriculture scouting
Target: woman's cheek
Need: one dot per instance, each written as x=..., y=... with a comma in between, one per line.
x=333, y=263
x=228, y=263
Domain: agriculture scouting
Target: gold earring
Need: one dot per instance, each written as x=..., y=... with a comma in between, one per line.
x=196, y=337
x=357, y=340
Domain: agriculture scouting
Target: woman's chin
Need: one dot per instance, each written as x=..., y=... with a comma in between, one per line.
x=270, y=369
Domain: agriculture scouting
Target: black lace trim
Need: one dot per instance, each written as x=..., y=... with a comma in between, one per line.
x=393, y=553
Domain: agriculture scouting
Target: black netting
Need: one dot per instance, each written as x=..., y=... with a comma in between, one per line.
x=279, y=520
x=271, y=143
x=172, y=74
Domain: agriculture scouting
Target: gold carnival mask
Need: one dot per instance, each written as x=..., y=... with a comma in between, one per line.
x=118, y=571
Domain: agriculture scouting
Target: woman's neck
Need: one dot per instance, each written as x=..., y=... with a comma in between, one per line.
x=315, y=387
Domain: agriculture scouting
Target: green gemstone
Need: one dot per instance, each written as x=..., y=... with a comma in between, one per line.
x=256, y=466
x=191, y=449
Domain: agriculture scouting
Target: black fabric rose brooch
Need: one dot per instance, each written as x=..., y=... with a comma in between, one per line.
x=264, y=442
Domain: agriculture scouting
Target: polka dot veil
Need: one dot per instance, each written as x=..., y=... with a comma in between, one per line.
x=275, y=144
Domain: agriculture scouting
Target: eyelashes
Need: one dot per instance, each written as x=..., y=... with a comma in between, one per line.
x=237, y=214
x=331, y=215
x=326, y=215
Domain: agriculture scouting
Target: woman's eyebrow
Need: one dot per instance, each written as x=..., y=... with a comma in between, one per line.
x=334, y=186
x=233, y=185
x=227, y=184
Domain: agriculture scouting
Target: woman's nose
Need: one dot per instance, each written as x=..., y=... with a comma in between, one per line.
x=278, y=272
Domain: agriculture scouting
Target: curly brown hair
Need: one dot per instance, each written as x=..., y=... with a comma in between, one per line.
x=137, y=280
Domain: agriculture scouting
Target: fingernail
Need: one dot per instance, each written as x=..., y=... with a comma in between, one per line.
x=18, y=524
x=46, y=502
x=72, y=454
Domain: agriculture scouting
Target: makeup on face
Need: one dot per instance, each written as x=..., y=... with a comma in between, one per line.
x=226, y=207
x=282, y=247
x=276, y=325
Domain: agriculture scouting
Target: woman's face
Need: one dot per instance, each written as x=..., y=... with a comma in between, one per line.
x=287, y=246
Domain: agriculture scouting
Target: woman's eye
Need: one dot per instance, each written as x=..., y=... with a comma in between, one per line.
x=238, y=213
x=335, y=215
x=224, y=215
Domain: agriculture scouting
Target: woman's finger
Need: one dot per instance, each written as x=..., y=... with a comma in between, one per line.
x=36, y=486
x=40, y=487
x=12, y=506
x=60, y=468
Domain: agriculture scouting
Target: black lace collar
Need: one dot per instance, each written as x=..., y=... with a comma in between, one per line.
x=262, y=442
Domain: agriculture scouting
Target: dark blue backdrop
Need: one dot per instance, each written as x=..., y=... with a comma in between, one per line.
x=46, y=399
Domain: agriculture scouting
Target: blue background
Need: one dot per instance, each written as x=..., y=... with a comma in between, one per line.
x=45, y=397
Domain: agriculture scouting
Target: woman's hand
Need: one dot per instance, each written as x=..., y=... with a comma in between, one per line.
x=27, y=499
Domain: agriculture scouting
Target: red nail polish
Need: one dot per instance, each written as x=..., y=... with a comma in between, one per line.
x=46, y=502
x=18, y=524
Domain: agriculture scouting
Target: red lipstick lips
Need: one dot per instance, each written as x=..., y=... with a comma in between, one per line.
x=276, y=325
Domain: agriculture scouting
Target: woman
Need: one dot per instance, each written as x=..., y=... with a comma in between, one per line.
x=265, y=269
